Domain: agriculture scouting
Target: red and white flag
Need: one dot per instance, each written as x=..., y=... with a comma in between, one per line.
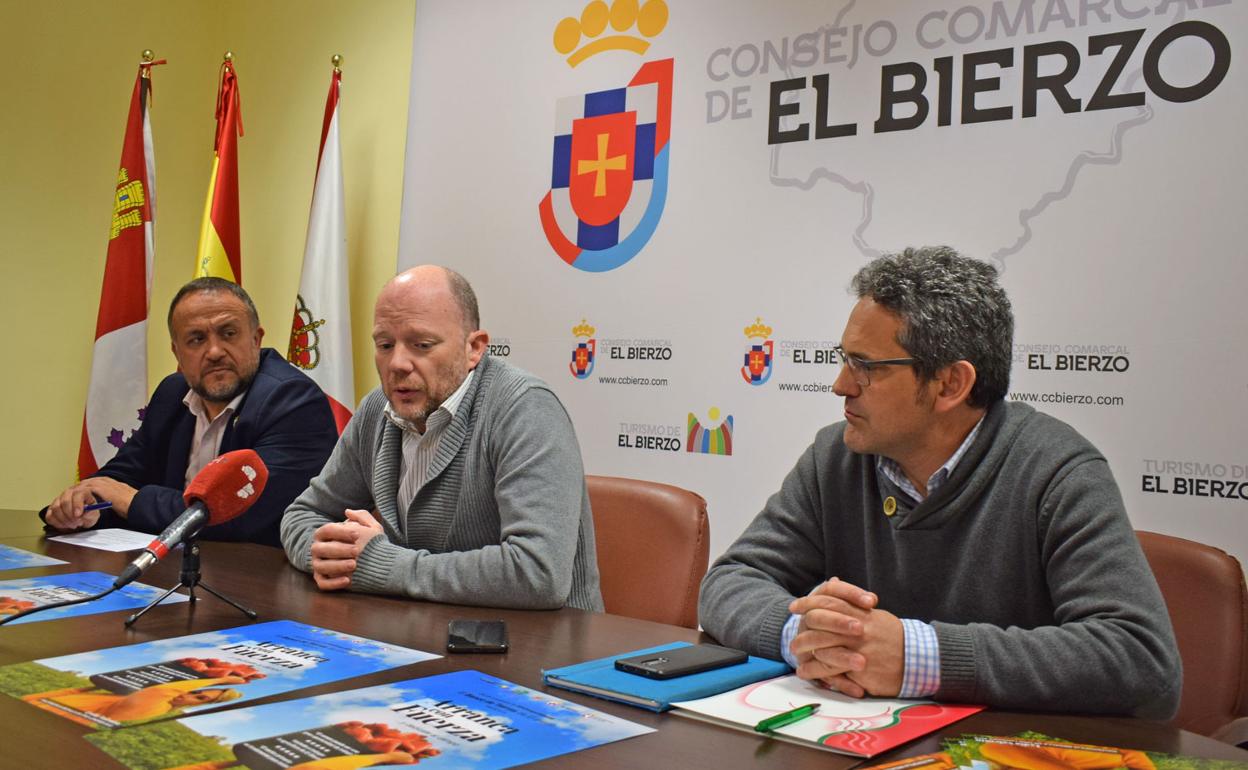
x=117, y=393
x=320, y=338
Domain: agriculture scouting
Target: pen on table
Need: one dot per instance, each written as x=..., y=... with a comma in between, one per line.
x=101, y=505
x=786, y=718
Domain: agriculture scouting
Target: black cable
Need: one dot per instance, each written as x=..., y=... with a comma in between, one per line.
x=53, y=605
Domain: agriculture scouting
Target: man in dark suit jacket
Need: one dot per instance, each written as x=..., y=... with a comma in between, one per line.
x=227, y=394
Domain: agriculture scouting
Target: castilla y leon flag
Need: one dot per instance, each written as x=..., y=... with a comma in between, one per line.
x=118, y=389
x=320, y=338
x=219, y=253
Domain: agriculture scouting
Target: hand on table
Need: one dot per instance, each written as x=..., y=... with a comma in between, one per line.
x=66, y=511
x=337, y=545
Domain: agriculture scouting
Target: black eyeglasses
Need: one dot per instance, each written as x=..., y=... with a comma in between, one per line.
x=861, y=368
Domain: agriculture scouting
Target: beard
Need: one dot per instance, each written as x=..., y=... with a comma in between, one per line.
x=444, y=384
x=419, y=414
x=226, y=391
x=415, y=415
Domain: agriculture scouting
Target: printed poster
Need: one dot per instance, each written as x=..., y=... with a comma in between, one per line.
x=170, y=677
x=463, y=719
x=26, y=593
x=17, y=558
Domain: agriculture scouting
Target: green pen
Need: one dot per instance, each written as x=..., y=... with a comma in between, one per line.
x=786, y=718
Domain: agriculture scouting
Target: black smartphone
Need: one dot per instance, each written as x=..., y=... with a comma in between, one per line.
x=476, y=636
x=681, y=661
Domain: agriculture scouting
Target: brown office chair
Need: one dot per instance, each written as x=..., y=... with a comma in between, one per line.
x=1208, y=602
x=653, y=548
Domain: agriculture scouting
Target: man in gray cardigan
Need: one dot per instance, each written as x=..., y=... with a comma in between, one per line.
x=458, y=480
x=941, y=542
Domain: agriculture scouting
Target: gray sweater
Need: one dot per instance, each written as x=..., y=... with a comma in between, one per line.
x=1024, y=562
x=503, y=520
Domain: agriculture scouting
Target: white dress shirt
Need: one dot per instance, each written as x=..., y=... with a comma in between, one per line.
x=206, y=443
x=419, y=448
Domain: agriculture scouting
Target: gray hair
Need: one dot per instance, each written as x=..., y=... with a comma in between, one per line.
x=211, y=284
x=951, y=309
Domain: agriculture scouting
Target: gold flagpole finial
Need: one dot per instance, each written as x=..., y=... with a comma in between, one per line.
x=148, y=55
x=336, y=60
x=229, y=56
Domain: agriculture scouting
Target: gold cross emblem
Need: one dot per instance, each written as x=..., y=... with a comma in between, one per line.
x=601, y=165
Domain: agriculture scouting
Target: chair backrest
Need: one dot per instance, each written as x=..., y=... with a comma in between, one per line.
x=1208, y=602
x=653, y=548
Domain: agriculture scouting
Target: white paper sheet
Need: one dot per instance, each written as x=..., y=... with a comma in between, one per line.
x=107, y=539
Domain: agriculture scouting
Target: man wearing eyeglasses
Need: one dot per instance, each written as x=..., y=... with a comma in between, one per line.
x=941, y=542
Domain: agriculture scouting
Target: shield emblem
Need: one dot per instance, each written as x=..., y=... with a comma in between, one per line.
x=583, y=359
x=757, y=368
x=304, y=351
x=601, y=175
x=609, y=170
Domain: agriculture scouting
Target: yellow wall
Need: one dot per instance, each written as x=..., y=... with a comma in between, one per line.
x=70, y=68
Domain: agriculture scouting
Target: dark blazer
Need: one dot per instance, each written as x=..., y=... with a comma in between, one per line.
x=284, y=416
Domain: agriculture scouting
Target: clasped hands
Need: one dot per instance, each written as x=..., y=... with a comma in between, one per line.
x=337, y=545
x=847, y=643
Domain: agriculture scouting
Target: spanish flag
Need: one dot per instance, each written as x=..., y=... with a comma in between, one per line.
x=219, y=254
x=117, y=391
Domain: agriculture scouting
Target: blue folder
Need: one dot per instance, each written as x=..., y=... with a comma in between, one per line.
x=600, y=678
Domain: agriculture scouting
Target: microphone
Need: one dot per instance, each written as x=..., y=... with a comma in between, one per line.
x=224, y=489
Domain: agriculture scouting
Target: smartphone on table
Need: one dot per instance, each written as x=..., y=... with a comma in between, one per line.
x=681, y=661
x=465, y=635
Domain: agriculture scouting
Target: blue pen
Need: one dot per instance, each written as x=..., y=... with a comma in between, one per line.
x=97, y=506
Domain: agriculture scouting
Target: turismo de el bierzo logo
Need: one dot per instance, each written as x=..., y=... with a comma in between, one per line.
x=608, y=180
x=710, y=438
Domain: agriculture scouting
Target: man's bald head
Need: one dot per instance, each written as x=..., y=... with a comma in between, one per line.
x=434, y=283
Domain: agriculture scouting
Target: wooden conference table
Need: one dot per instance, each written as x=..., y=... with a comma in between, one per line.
x=259, y=577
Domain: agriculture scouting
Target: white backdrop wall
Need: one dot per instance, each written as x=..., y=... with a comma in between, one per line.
x=1113, y=202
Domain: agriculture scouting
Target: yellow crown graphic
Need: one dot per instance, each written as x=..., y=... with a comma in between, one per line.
x=583, y=330
x=758, y=329
x=649, y=17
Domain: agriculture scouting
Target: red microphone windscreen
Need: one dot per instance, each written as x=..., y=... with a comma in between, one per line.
x=228, y=485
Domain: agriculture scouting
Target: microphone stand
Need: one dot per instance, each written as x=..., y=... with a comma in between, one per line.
x=189, y=580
